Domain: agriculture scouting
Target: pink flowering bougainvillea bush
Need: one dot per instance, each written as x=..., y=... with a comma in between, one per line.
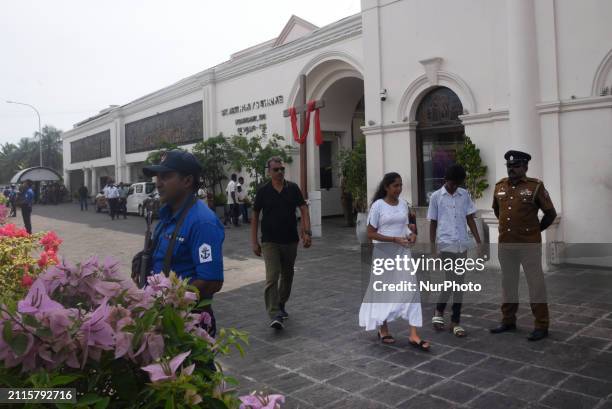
x=85, y=326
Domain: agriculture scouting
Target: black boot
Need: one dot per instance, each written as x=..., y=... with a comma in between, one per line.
x=503, y=328
x=538, y=334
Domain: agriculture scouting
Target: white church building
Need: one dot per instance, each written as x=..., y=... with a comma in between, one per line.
x=413, y=77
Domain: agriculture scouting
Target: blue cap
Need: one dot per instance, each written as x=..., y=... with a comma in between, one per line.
x=176, y=160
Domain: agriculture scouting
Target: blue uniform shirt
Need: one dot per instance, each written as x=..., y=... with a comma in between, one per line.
x=198, y=250
x=29, y=197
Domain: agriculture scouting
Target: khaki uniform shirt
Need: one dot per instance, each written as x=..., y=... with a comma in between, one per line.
x=517, y=206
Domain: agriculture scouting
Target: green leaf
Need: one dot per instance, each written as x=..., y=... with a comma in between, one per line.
x=30, y=321
x=102, y=404
x=89, y=399
x=63, y=380
x=18, y=344
x=7, y=332
x=213, y=403
x=44, y=332
x=169, y=403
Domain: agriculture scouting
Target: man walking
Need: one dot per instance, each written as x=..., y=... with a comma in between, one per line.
x=242, y=200
x=450, y=208
x=122, y=203
x=26, y=201
x=277, y=200
x=83, y=194
x=232, y=199
x=112, y=198
x=189, y=236
x=516, y=201
x=13, y=201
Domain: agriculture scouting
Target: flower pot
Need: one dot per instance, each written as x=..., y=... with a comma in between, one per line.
x=361, y=228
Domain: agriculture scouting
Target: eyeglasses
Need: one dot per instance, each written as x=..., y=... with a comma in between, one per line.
x=281, y=169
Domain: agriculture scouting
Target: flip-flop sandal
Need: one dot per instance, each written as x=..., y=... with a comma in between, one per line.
x=438, y=323
x=420, y=345
x=387, y=339
x=458, y=331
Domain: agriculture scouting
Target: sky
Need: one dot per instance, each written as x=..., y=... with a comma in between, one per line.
x=72, y=58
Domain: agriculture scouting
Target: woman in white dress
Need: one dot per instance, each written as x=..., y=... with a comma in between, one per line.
x=388, y=221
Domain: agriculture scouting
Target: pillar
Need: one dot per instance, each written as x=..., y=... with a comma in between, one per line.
x=67, y=180
x=94, y=182
x=127, y=174
x=87, y=179
x=523, y=82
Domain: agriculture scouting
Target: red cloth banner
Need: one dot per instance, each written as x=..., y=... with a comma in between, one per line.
x=296, y=133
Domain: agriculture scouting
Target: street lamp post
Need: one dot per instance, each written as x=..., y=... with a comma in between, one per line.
x=39, y=127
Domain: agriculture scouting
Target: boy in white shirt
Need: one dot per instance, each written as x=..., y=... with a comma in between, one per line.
x=450, y=208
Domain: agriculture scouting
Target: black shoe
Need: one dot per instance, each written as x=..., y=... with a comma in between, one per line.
x=538, y=334
x=283, y=313
x=277, y=323
x=503, y=328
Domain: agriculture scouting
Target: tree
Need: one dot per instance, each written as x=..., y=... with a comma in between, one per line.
x=469, y=158
x=252, y=154
x=352, y=163
x=214, y=154
x=155, y=157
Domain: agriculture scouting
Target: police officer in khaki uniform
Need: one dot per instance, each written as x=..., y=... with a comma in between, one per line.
x=516, y=202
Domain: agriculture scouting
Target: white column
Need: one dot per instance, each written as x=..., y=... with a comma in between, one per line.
x=523, y=81
x=127, y=175
x=67, y=180
x=87, y=179
x=94, y=182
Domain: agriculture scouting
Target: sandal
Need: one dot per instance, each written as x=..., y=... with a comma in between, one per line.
x=387, y=339
x=458, y=331
x=420, y=345
x=437, y=322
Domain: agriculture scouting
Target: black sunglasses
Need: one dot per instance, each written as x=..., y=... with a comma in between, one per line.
x=280, y=169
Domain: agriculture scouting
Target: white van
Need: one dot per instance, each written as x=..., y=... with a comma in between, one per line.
x=137, y=194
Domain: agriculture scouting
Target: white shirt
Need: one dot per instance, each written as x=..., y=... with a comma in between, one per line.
x=112, y=192
x=389, y=220
x=231, y=187
x=450, y=212
x=240, y=192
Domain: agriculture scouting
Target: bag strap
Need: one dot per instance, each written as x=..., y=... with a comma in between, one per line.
x=170, y=250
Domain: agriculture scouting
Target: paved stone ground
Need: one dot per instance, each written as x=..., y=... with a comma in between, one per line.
x=324, y=360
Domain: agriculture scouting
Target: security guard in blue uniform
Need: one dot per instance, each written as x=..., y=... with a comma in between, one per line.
x=516, y=202
x=189, y=236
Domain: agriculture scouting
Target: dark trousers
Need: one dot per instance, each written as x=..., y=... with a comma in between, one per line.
x=244, y=210
x=83, y=201
x=235, y=211
x=113, y=207
x=457, y=295
x=511, y=257
x=13, y=209
x=122, y=207
x=26, y=212
x=279, y=260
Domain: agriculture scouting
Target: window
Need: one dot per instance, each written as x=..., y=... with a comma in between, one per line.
x=325, y=165
x=131, y=191
x=439, y=135
x=150, y=187
x=139, y=188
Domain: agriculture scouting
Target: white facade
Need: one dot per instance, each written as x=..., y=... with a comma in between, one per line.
x=529, y=75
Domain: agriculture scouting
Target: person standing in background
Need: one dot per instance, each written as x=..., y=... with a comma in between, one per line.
x=122, y=203
x=26, y=202
x=83, y=194
x=232, y=199
x=243, y=200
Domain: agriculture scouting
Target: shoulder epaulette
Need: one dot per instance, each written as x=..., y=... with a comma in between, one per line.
x=502, y=180
x=536, y=180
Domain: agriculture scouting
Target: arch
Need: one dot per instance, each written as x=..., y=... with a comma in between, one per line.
x=346, y=63
x=421, y=86
x=603, y=70
x=37, y=174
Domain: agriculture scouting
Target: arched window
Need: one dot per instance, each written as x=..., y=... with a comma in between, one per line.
x=439, y=135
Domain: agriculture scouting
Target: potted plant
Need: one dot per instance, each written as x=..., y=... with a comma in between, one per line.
x=220, y=203
x=352, y=164
x=475, y=181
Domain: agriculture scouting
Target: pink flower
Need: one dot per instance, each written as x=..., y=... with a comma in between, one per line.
x=51, y=241
x=96, y=333
x=261, y=402
x=37, y=300
x=43, y=260
x=166, y=369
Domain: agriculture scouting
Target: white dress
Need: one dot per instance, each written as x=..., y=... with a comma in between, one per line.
x=390, y=221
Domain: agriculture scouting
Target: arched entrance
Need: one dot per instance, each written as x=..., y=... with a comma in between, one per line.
x=440, y=134
x=338, y=81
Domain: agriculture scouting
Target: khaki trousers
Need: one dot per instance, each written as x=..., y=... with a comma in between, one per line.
x=279, y=260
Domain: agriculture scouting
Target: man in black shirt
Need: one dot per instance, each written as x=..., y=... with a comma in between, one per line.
x=277, y=200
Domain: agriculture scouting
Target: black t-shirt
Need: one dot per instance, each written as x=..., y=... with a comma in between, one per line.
x=278, y=223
